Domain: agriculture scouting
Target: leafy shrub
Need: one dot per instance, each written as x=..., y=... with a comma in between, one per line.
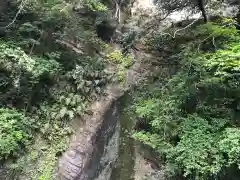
x=50, y=69
x=55, y=117
x=95, y=5
x=117, y=57
x=123, y=62
x=193, y=118
x=25, y=75
x=230, y=144
x=14, y=58
x=15, y=131
x=197, y=152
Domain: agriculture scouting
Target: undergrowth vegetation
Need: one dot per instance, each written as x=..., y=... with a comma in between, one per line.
x=192, y=119
x=15, y=131
x=55, y=60
x=51, y=69
x=123, y=63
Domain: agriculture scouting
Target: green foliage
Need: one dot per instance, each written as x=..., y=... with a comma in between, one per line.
x=206, y=37
x=229, y=144
x=225, y=62
x=192, y=120
x=14, y=59
x=50, y=69
x=23, y=74
x=96, y=5
x=197, y=152
x=89, y=78
x=117, y=57
x=48, y=162
x=58, y=115
x=123, y=62
x=15, y=131
x=129, y=39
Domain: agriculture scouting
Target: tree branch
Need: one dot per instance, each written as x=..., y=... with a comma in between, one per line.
x=70, y=46
x=175, y=33
x=118, y=12
x=203, y=41
x=41, y=34
x=21, y=6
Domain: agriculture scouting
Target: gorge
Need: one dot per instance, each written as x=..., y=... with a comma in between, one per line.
x=119, y=90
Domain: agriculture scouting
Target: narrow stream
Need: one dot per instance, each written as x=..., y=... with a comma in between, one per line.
x=124, y=169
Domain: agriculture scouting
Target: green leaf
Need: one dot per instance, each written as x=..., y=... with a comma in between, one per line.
x=71, y=114
x=68, y=101
x=63, y=112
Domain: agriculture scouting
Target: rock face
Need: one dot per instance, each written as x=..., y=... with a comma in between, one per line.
x=94, y=148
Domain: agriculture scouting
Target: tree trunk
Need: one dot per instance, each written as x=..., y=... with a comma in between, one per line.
x=238, y=17
x=202, y=9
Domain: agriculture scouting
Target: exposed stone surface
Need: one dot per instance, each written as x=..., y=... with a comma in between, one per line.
x=88, y=144
x=93, y=148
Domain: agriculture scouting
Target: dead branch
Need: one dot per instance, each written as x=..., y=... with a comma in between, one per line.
x=175, y=33
x=213, y=41
x=70, y=46
x=202, y=42
x=117, y=12
x=33, y=45
x=21, y=6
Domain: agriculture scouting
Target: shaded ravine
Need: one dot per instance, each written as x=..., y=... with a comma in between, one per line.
x=124, y=168
x=93, y=149
x=135, y=161
x=97, y=150
x=85, y=158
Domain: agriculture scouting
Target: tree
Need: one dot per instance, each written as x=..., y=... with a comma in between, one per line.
x=189, y=5
x=201, y=7
x=192, y=119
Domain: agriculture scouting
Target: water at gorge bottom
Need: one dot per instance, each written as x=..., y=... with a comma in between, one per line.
x=124, y=169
